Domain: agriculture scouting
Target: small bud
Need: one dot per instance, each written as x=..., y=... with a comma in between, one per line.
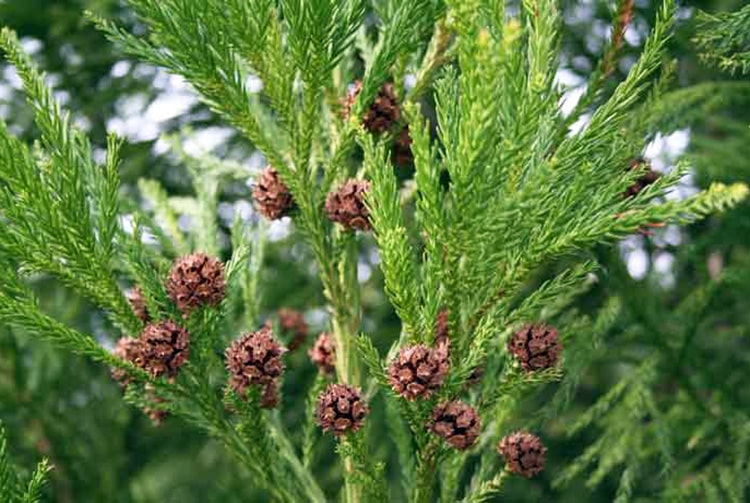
x=128, y=349
x=323, y=353
x=138, y=303
x=293, y=322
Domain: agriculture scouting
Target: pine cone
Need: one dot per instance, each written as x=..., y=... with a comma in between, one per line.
x=138, y=303
x=196, y=280
x=441, y=327
x=271, y=196
x=165, y=347
x=401, y=155
x=323, y=353
x=347, y=205
x=293, y=322
x=536, y=347
x=458, y=423
x=128, y=349
x=649, y=177
x=523, y=453
x=417, y=371
x=254, y=359
x=383, y=113
x=341, y=409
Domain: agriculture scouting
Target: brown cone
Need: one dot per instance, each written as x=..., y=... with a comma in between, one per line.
x=458, y=423
x=523, y=453
x=138, y=303
x=196, y=280
x=165, y=347
x=271, y=196
x=293, y=322
x=441, y=327
x=254, y=359
x=417, y=371
x=536, y=347
x=384, y=111
x=648, y=177
x=128, y=349
x=402, y=156
x=347, y=205
x=323, y=353
x=341, y=409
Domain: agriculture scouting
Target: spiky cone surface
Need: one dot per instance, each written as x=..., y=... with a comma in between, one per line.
x=441, y=327
x=271, y=196
x=254, y=359
x=128, y=349
x=293, y=322
x=341, y=409
x=536, y=347
x=164, y=348
x=382, y=114
x=457, y=422
x=648, y=177
x=346, y=205
x=401, y=154
x=323, y=353
x=196, y=280
x=417, y=371
x=523, y=453
x=138, y=303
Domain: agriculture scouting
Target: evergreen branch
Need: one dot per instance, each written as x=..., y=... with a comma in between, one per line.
x=33, y=492
x=397, y=256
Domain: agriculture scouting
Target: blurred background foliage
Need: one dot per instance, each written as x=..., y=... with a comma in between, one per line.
x=679, y=339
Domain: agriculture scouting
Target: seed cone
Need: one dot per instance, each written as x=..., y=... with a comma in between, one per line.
x=382, y=114
x=323, y=353
x=128, y=349
x=401, y=155
x=648, y=177
x=254, y=359
x=417, y=371
x=271, y=196
x=441, y=327
x=347, y=205
x=536, y=347
x=138, y=303
x=293, y=322
x=196, y=280
x=458, y=423
x=341, y=409
x=523, y=453
x=165, y=347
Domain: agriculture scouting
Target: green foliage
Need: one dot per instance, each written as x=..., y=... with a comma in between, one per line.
x=498, y=226
x=12, y=488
